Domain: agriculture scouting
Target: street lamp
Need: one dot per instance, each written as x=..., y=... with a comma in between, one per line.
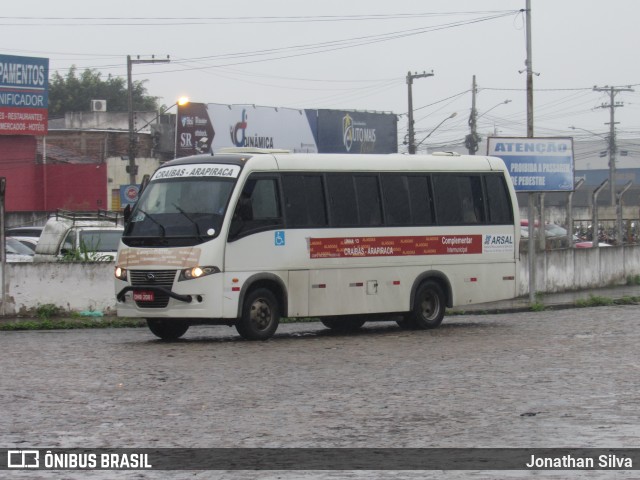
x=132, y=143
x=589, y=131
x=181, y=103
x=436, y=127
x=604, y=137
x=411, y=131
x=472, y=140
x=132, y=166
x=495, y=106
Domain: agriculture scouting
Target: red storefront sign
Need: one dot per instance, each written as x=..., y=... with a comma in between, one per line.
x=353, y=247
x=24, y=121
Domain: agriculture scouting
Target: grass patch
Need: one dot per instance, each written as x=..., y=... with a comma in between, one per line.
x=47, y=311
x=595, y=301
x=633, y=280
x=537, y=306
x=70, y=323
x=627, y=301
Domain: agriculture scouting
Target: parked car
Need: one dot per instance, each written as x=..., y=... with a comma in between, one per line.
x=589, y=244
x=31, y=232
x=16, y=252
x=555, y=235
x=29, y=242
x=82, y=236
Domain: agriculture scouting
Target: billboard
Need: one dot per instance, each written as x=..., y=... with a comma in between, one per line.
x=536, y=164
x=24, y=95
x=357, y=132
x=211, y=127
x=195, y=131
x=226, y=126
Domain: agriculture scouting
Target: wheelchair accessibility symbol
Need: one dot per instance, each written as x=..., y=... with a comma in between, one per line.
x=279, y=238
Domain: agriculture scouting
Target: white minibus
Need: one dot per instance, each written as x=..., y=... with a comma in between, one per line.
x=250, y=237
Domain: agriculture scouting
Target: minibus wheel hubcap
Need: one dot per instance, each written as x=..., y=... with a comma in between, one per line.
x=429, y=306
x=261, y=313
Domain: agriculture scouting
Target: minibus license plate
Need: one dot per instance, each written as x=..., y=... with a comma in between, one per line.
x=143, y=296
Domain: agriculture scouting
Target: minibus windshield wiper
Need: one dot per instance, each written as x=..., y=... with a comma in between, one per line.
x=164, y=233
x=186, y=215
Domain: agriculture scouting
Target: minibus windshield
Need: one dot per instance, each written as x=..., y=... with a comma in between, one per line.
x=179, y=211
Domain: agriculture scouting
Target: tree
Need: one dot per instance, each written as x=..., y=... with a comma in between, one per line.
x=73, y=93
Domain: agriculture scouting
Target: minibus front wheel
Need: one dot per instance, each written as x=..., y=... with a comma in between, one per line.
x=167, y=329
x=260, y=315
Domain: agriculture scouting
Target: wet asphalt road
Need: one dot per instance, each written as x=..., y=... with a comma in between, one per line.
x=568, y=378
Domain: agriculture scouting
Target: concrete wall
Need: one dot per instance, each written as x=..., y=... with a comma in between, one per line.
x=74, y=287
x=580, y=268
x=78, y=287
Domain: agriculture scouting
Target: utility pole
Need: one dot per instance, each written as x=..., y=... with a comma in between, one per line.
x=133, y=150
x=612, y=91
x=472, y=140
x=532, y=196
x=3, y=251
x=529, y=65
x=411, y=132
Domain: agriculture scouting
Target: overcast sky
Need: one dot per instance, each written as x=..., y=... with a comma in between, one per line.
x=355, y=55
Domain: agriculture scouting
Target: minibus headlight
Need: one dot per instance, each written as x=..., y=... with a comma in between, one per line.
x=197, y=272
x=121, y=273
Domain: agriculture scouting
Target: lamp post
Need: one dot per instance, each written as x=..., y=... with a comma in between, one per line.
x=182, y=102
x=431, y=132
x=589, y=131
x=472, y=140
x=410, y=126
x=132, y=143
x=495, y=106
x=603, y=136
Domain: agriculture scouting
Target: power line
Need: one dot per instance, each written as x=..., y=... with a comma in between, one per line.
x=293, y=51
x=63, y=21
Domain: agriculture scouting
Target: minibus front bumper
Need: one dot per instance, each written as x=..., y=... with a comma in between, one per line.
x=154, y=288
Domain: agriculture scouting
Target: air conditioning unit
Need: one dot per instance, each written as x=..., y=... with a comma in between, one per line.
x=98, y=105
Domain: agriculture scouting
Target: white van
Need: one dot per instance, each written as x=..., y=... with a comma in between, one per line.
x=80, y=236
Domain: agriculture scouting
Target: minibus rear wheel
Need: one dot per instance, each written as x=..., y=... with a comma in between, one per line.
x=167, y=329
x=429, y=306
x=260, y=315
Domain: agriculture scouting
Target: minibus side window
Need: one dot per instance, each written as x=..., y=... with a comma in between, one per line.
x=343, y=203
x=397, y=207
x=498, y=201
x=421, y=200
x=258, y=208
x=459, y=199
x=368, y=195
x=304, y=200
